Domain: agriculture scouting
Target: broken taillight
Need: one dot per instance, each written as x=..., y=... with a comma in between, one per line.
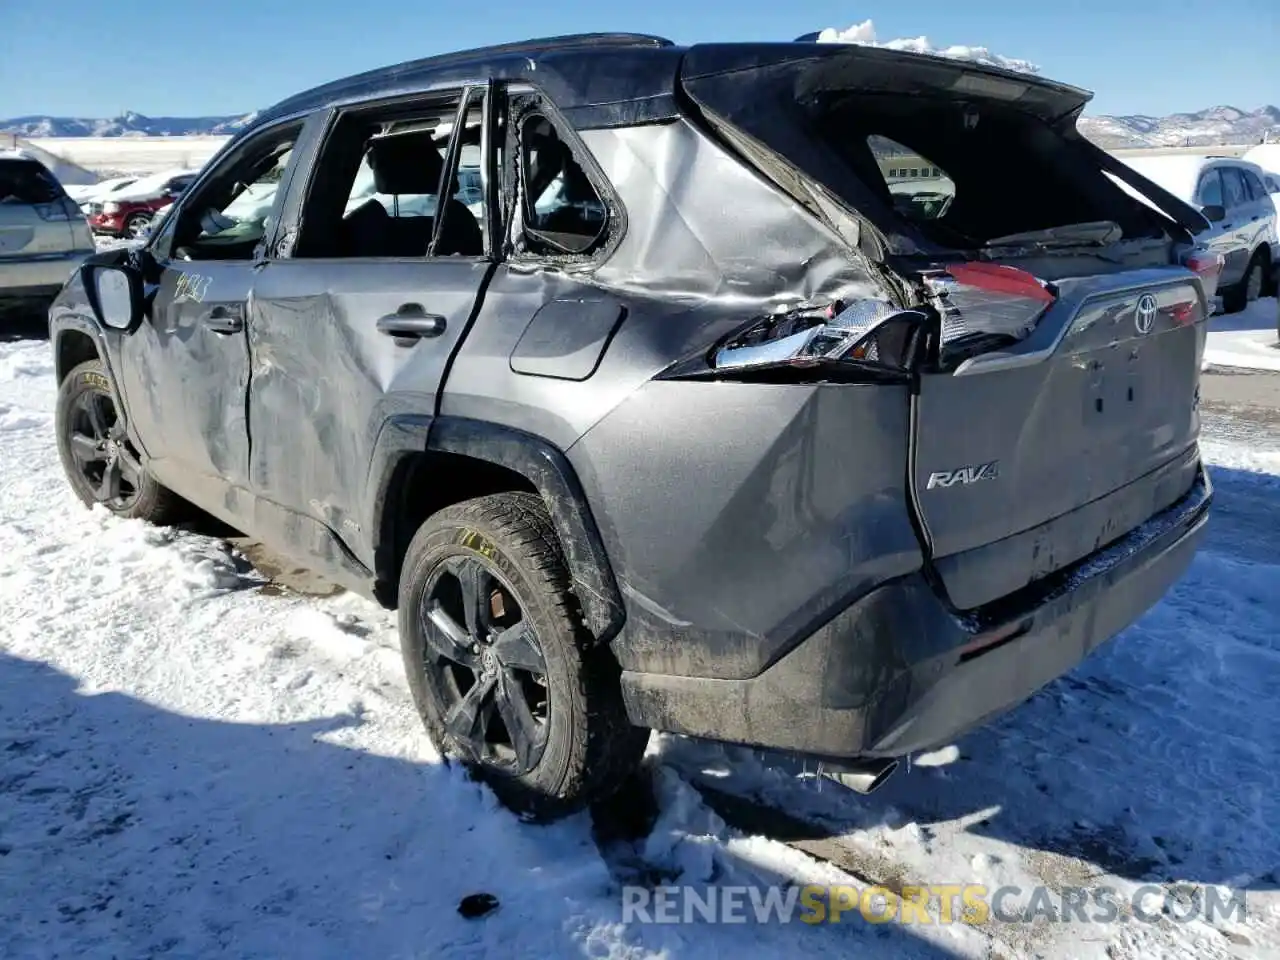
x=1207, y=265
x=986, y=304
x=988, y=300
x=867, y=330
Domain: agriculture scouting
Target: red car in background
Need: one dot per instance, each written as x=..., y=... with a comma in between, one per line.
x=130, y=211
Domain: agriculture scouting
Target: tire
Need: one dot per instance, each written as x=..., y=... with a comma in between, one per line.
x=581, y=746
x=134, y=225
x=91, y=443
x=1250, y=287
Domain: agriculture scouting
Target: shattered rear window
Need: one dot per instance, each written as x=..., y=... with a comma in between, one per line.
x=27, y=182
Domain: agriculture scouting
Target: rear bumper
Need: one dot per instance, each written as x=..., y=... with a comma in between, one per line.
x=32, y=277
x=898, y=672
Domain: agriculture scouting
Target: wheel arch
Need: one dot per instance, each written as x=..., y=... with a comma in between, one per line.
x=475, y=458
x=73, y=345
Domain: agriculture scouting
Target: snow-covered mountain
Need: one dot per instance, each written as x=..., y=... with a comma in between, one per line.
x=1216, y=126
x=129, y=125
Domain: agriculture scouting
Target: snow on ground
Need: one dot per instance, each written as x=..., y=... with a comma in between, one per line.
x=1246, y=339
x=194, y=764
x=111, y=156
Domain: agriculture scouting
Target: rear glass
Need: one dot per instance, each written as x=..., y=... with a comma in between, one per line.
x=25, y=181
x=968, y=172
x=921, y=190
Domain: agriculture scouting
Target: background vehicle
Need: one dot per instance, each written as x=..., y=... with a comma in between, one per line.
x=692, y=427
x=129, y=211
x=85, y=194
x=43, y=235
x=1234, y=199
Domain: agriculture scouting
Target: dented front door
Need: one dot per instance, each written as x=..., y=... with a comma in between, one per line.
x=185, y=373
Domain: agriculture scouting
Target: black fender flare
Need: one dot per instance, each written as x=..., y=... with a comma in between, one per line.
x=70, y=322
x=539, y=462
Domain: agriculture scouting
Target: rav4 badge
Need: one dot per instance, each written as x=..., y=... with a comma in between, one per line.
x=964, y=475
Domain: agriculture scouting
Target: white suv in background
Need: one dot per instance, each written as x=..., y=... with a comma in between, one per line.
x=1233, y=197
x=43, y=233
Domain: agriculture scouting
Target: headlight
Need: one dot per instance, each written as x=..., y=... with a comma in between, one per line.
x=111, y=207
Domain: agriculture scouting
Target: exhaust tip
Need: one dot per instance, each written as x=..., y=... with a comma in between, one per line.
x=863, y=776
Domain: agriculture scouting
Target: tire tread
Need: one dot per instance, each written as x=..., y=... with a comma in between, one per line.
x=606, y=747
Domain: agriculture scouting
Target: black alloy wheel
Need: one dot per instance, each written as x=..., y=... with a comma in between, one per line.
x=483, y=659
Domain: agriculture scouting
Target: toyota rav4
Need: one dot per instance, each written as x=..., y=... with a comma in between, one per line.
x=696, y=425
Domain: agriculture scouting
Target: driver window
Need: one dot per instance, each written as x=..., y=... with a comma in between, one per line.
x=231, y=214
x=1232, y=187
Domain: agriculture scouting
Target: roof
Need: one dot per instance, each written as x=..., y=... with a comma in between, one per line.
x=639, y=84
x=144, y=188
x=1181, y=174
x=641, y=67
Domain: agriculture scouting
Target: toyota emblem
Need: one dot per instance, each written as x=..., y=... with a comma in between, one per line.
x=1145, y=313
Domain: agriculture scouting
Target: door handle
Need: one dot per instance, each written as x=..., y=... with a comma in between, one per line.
x=225, y=318
x=411, y=322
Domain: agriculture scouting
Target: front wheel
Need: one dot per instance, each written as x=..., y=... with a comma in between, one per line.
x=503, y=674
x=136, y=225
x=99, y=460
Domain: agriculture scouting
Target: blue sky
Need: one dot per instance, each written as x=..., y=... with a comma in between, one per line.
x=94, y=58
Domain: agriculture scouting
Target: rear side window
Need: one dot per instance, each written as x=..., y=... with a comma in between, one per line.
x=1233, y=187
x=561, y=210
x=397, y=180
x=1254, y=185
x=26, y=182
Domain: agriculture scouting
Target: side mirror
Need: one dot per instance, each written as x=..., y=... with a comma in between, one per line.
x=116, y=293
x=1214, y=213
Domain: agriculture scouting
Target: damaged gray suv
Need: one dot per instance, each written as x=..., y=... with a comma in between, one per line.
x=706, y=412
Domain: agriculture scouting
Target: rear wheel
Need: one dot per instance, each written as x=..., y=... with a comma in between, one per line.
x=1250, y=286
x=99, y=460
x=503, y=674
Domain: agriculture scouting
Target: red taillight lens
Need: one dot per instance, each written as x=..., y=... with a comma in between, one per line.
x=984, y=304
x=1208, y=266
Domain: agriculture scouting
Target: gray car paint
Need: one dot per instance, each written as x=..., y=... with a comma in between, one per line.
x=1109, y=405
x=735, y=520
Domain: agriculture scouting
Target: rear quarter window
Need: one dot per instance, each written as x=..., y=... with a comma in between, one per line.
x=26, y=181
x=1256, y=190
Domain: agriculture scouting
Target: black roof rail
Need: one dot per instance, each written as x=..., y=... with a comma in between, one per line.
x=572, y=41
x=567, y=41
